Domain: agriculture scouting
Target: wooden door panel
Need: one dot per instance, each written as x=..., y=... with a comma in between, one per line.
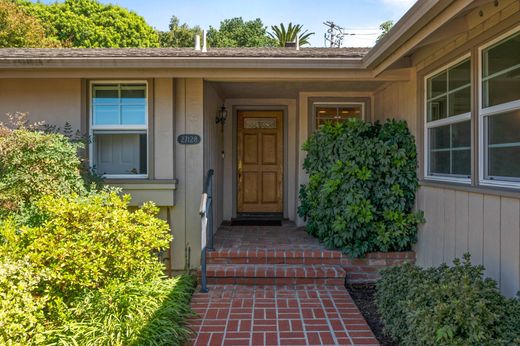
x=250, y=148
x=269, y=187
x=251, y=184
x=260, y=161
x=269, y=151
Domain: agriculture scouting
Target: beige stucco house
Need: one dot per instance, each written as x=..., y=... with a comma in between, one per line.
x=450, y=68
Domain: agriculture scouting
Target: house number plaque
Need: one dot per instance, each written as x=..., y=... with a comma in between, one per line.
x=188, y=139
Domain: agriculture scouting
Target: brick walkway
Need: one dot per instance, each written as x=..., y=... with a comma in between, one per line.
x=267, y=306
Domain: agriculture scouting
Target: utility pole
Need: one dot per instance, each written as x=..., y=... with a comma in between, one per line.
x=334, y=35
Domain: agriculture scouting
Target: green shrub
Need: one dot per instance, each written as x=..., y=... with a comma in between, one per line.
x=446, y=306
x=362, y=185
x=131, y=313
x=21, y=308
x=88, y=241
x=35, y=164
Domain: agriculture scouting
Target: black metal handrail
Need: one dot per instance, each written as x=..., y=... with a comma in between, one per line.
x=206, y=215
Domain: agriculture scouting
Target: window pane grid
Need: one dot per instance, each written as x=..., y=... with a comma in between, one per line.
x=450, y=92
x=119, y=129
x=448, y=122
x=336, y=113
x=500, y=112
x=121, y=106
x=500, y=73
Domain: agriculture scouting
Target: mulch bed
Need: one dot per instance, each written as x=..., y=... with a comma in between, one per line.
x=364, y=297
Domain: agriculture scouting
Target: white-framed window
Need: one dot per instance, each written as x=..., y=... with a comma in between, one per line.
x=119, y=128
x=336, y=112
x=448, y=122
x=499, y=111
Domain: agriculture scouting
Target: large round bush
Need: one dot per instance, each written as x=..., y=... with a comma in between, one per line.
x=362, y=185
x=35, y=164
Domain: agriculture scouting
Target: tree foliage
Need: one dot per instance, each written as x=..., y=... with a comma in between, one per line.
x=179, y=35
x=236, y=32
x=362, y=185
x=91, y=24
x=20, y=29
x=281, y=35
x=385, y=28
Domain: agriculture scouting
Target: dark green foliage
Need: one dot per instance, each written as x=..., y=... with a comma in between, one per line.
x=446, y=306
x=236, y=32
x=362, y=185
x=91, y=24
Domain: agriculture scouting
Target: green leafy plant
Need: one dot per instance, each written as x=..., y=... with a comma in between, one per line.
x=21, y=307
x=137, y=313
x=34, y=164
x=86, y=242
x=446, y=306
x=282, y=35
x=362, y=185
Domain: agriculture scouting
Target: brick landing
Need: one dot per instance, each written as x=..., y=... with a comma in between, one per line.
x=278, y=315
x=276, y=286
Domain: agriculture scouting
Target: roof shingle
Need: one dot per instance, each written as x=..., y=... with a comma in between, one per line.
x=50, y=53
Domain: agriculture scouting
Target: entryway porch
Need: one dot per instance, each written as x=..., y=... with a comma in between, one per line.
x=276, y=285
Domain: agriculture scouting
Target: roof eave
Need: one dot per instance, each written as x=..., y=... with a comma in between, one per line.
x=422, y=14
x=184, y=62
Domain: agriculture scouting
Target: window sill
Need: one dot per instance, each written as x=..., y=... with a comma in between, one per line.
x=480, y=189
x=161, y=192
x=449, y=180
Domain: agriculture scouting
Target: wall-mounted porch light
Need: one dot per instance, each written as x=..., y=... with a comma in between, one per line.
x=221, y=116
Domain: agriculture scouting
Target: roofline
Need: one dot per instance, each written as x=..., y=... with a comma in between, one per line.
x=415, y=25
x=184, y=62
x=419, y=19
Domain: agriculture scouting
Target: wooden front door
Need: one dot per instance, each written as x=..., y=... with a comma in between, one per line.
x=260, y=161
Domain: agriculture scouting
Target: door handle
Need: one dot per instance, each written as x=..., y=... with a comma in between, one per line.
x=239, y=170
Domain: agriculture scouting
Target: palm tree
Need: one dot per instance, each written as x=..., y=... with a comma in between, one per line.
x=281, y=35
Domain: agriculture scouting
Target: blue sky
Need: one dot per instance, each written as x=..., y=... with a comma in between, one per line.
x=358, y=16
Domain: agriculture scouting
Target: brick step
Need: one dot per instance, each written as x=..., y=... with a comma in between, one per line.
x=278, y=256
x=275, y=274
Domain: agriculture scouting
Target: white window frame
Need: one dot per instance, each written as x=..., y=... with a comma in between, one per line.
x=118, y=128
x=443, y=122
x=489, y=111
x=337, y=105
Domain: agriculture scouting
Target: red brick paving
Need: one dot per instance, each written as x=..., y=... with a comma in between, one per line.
x=276, y=286
x=278, y=315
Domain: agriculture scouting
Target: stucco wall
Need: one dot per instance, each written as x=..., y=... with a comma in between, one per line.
x=55, y=101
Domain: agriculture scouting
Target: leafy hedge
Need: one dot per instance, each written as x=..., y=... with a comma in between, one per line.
x=34, y=164
x=446, y=306
x=79, y=267
x=362, y=185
